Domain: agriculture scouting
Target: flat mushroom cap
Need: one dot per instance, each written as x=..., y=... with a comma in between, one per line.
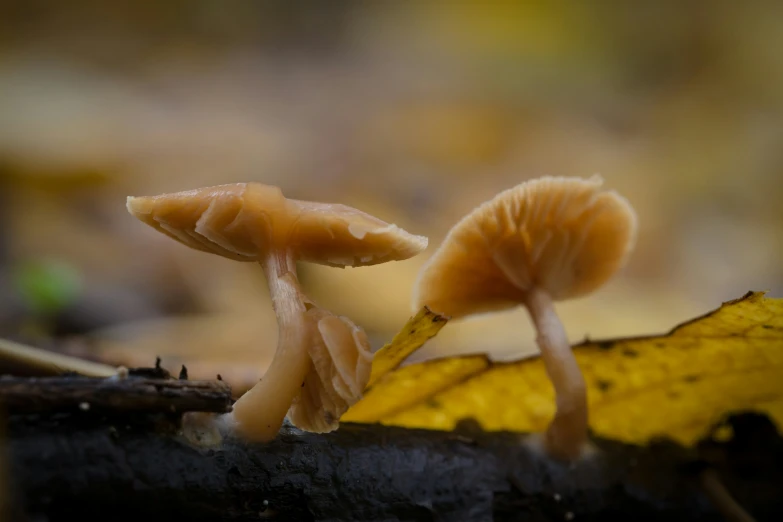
x=563, y=235
x=241, y=221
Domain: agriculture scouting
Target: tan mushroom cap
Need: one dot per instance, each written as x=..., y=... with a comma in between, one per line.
x=340, y=362
x=562, y=235
x=242, y=220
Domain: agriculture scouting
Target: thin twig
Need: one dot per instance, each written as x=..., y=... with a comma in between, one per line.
x=131, y=394
x=45, y=362
x=731, y=510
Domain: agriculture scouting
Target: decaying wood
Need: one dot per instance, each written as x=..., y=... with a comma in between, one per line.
x=115, y=394
x=127, y=456
x=141, y=468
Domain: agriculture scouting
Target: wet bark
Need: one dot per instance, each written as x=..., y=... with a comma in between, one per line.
x=104, y=465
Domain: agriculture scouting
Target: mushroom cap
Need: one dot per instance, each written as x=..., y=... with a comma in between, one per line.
x=244, y=221
x=562, y=235
x=340, y=363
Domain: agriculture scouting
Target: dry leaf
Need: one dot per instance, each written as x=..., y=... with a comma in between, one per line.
x=676, y=385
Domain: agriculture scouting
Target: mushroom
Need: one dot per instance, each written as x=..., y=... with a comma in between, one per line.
x=545, y=240
x=322, y=361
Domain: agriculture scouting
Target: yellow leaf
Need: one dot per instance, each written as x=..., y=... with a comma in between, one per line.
x=676, y=385
x=411, y=385
x=413, y=335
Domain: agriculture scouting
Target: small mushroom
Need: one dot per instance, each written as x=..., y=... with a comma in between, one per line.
x=545, y=240
x=322, y=361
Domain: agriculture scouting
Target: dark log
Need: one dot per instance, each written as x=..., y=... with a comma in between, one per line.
x=130, y=394
x=140, y=468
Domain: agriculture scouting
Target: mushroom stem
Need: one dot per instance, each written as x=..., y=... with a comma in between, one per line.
x=567, y=433
x=260, y=411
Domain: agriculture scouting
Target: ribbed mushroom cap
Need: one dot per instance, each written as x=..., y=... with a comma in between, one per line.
x=242, y=220
x=340, y=361
x=562, y=235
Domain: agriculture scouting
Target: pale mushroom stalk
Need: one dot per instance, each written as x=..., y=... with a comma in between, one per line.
x=567, y=432
x=261, y=410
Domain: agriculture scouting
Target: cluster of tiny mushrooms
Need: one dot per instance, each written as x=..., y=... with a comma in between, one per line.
x=544, y=240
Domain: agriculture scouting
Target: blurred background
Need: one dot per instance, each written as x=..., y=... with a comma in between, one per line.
x=413, y=111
